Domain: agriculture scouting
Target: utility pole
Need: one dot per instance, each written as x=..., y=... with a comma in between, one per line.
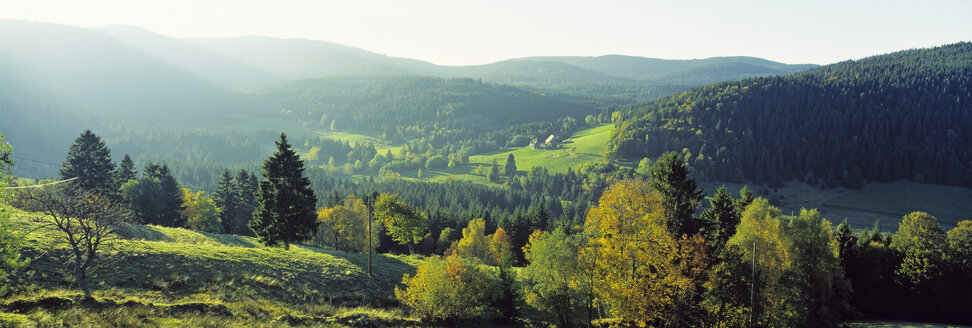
x=370, y=248
x=752, y=295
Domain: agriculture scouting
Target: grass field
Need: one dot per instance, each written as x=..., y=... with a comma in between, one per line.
x=359, y=136
x=587, y=145
x=175, y=277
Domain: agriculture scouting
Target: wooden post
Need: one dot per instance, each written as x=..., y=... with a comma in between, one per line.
x=752, y=295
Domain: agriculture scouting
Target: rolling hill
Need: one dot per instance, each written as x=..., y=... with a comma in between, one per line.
x=685, y=72
x=175, y=277
x=192, y=58
x=390, y=105
x=904, y=115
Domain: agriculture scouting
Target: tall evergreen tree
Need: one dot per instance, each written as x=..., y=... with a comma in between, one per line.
x=170, y=200
x=227, y=198
x=89, y=160
x=541, y=217
x=493, y=173
x=286, y=212
x=720, y=220
x=680, y=193
x=510, y=166
x=247, y=185
x=126, y=171
x=746, y=197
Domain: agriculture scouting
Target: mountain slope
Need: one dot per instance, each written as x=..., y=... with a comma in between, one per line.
x=904, y=115
x=393, y=105
x=191, y=58
x=301, y=59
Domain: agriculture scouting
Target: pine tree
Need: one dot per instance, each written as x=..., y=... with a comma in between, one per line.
x=286, y=212
x=493, y=172
x=746, y=197
x=541, y=217
x=247, y=186
x=510, y=166
x=171, y=200
x=680, y=193
x=89, y=160
x=228, y=200
x=720, y=220
x=126, y=171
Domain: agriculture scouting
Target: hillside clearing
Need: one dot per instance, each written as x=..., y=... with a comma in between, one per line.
x=587, y=145
x=154, y=266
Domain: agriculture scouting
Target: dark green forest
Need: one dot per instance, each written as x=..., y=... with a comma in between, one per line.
x=903, y=115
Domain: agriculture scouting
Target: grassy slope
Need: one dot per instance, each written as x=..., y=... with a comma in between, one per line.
x=158, y=267
x=589, y=145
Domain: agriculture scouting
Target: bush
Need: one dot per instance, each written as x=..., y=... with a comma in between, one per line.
x=436, y=162
x=450, y=289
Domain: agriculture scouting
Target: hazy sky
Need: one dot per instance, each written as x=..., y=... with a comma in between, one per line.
x=458, y=32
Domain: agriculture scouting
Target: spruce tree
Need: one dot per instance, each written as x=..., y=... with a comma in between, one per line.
x=247, y=186
x=286, y=212
x=510, y=166
x=227, y=198
x=541, y=217
x=746, y=197
x=680, y=193
x=89, y=160
x=171, y=200
x=720, y=220
x=126, y=171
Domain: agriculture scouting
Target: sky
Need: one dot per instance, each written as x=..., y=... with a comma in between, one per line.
x=465, y=32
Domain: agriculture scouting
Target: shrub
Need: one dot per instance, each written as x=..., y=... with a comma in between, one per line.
x=450, y=289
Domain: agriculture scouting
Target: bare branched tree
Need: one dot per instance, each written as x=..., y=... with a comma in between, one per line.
x=85, y=222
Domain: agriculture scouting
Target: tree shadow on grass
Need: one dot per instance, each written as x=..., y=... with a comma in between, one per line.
x=140, y=232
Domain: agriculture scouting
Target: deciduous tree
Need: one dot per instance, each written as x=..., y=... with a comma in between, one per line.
x=84, y=220
x=201, y=212
x=403, y=223
x=637, y=256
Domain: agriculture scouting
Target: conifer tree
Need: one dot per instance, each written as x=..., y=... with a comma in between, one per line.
x=227, y=198
x=286, y=211
x=746, y=197
x=541, y=217
x=247, y=186
x=89, y=160
x=510, y=166
x=126, y=171
x=720, y=220
x=493, y=172
x=170, y=200
x=680, y=193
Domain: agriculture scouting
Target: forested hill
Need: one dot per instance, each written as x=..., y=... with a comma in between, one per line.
x=407, y=107
x=680, y=71
x=904, y=115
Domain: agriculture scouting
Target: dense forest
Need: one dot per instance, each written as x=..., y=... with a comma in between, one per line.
x=903, y=115
x=404, y=108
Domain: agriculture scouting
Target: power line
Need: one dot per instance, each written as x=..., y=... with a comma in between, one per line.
x=34, y=160
x=43, y=185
